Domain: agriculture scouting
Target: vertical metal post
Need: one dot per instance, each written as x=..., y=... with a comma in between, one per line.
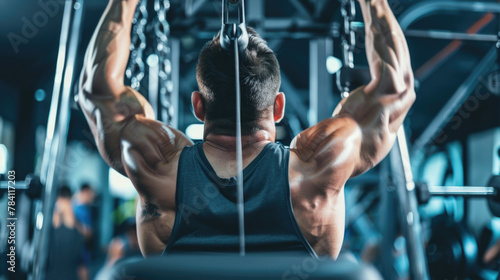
x=387, y=222
x=153, y=91
x=57, y=130
x=106, y=232
x=320, y=81
x=408, y=207
x=175, y=50
x=255, y=14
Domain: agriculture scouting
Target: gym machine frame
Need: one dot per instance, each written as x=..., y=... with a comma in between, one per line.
x=421, y=10
x=400, y=186
x=399, y=158
x=399, y=165
x=57, y=130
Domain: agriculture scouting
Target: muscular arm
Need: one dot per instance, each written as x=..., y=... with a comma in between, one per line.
x=121, y=119
x=363, y=127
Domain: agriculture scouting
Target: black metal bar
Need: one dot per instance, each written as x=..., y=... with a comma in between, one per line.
x=270, y=28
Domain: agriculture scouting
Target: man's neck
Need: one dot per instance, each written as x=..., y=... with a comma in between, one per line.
x=220, y=150
x=262, y=132
x=227, y=143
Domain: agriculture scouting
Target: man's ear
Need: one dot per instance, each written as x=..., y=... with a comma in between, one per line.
x=279, y=107
x=197, y=102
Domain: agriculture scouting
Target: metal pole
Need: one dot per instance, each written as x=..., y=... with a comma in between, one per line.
x=153, y=91
x=320, y=81
x=388, y=220
x=20, y=185
x=462, y=191
x=447, y=35
x=408, y=206
x=271, y=28
x=175, y=52
x=255, y=14
x=57, y=129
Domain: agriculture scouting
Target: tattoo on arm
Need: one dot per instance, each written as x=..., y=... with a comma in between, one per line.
x=150, y=211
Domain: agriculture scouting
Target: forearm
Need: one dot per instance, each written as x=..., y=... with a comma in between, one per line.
x=386, y=49
x=108, y=51
x=107, y=103
x=380, y=107
x=390, y=94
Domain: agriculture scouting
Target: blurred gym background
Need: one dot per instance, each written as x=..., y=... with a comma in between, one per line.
x=452, y=131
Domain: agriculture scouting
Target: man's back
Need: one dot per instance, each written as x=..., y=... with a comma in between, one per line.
x=359, y=134
x=206, y=210
x=205, y=191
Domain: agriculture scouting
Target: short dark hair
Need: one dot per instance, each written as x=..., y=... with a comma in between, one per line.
x=259, y=79
x=86, y=187
x=64, y=192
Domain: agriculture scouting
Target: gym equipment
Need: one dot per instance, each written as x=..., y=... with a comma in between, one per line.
x=491, y=191
x=398, y=159
x=28, y=195
x=451, y=250
x=31, y=185
x=234, y=38
x=494, y=200
x=57, y=130
x=155, y=56
x=348, y=11
x=352, y=78
x=400, y=178
x=233, y=266
x=421, y=10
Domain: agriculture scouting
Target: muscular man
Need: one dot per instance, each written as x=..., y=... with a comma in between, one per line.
x=294, y=197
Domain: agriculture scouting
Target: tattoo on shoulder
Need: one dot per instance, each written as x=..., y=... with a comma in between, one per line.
x=150, y=211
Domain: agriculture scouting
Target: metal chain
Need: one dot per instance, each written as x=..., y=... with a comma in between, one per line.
x=135, y=70
x=348, y=10
x=162, y=50
x=156, y=32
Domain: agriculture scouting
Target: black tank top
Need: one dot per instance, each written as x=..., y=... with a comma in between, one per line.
x=206, y=214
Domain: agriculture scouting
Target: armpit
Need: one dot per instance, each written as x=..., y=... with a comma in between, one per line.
x=150, y=211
